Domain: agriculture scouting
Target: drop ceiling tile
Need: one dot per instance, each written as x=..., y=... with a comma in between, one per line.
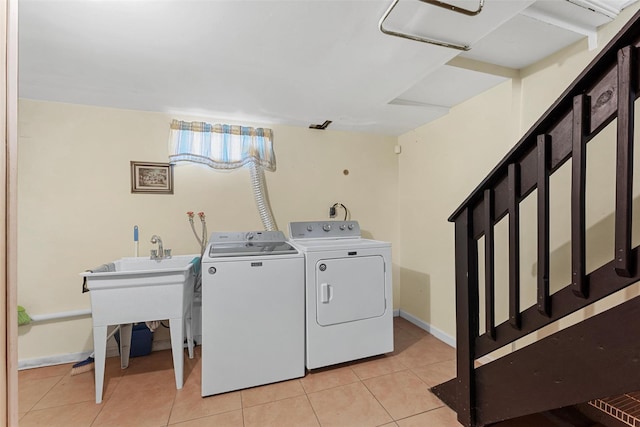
x=448, y=86
x=520, y=42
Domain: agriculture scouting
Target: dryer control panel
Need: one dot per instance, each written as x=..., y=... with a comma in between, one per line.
x=324, y=229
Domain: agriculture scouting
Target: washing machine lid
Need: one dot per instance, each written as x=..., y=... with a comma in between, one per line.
x=251, y=249
x=249, y=243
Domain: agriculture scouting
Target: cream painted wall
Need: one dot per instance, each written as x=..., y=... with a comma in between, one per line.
x=440, y=164
x=443, y=161
x=76, y=210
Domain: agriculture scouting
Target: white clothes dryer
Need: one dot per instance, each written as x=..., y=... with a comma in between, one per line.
x=252, y=311
x=348, y=294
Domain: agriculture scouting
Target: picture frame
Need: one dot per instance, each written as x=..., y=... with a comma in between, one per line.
x=151, y=178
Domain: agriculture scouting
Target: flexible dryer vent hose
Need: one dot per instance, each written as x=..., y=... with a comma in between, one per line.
x=262, y=199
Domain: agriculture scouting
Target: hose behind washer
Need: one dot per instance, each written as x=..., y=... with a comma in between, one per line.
x=261, y=197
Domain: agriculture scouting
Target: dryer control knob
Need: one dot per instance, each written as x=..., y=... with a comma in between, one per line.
x=343, y=227
x=309, y=228
x=326, y=227
x=350, y=227
x=249, y=235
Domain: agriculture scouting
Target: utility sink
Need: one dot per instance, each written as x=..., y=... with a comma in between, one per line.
x=137, y=289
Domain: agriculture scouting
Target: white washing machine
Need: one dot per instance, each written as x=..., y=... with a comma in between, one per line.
x=349, y=306
x=252, y=311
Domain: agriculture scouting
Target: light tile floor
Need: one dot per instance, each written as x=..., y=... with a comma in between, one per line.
x=389, y=390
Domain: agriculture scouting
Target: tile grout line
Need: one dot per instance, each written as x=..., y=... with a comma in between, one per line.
x=410, y=370
x=379, y=403
x=46, y=393
x=315, y=414
x=173, y=404
x=104, y=398
x=353, y=366
x=333, y=387
x=242, y=408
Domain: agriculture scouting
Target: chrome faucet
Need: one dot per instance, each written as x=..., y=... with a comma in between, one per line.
x=159, y=254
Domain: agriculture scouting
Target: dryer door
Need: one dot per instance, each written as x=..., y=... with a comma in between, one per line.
x=349, y=289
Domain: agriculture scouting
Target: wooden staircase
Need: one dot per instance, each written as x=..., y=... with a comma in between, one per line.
x=624, y=408
x=600, y=356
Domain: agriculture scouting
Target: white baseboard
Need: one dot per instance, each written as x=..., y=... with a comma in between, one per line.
x=158, y=345
x=57, y=359
x=441, y=335
x=60, y=359
x=161, y=345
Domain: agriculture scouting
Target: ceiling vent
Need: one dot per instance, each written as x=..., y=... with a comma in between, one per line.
x=322, y=126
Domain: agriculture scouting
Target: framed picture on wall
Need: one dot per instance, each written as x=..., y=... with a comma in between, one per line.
x=151, y=178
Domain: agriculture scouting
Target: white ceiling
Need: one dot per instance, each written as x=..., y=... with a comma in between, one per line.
x=295, y=62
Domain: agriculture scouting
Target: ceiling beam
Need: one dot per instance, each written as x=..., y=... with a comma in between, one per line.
x=590, y=32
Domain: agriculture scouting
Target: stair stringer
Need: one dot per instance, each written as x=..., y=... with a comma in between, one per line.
x=596, y=358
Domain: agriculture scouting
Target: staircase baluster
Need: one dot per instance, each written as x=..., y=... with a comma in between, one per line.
x=489, y=269
x=467, y=307
x=544, y=301
x=624, y=161
x=514, y=245
x=488, y=394
x=578, y=196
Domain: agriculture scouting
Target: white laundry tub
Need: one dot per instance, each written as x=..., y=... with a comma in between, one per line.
x=138, y=289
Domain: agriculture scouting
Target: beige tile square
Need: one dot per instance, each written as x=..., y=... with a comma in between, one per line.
x=436, y=373
x=44, y=372
x=76, y=389
x=349, y=405
x=294, y=412
x=192, y=367
x=228, y=419
x=402, y=394
x=189, y=403
x=156, y=361
x=75, y=415
x=30, y=391
x=401, y=342
x=401, y=325
x=150, y=382
x=328, y=378
x=271, y=392
x=426, y=351
x=377, y=366
x=441, y=417
x=139, y=400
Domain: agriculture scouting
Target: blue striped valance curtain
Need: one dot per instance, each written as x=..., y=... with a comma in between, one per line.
x=221, y=146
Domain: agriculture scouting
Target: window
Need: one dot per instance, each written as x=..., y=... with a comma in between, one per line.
x=221, y=146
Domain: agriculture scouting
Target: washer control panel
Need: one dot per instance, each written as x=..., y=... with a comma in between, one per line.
x=323, y=229
x=246, y=236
